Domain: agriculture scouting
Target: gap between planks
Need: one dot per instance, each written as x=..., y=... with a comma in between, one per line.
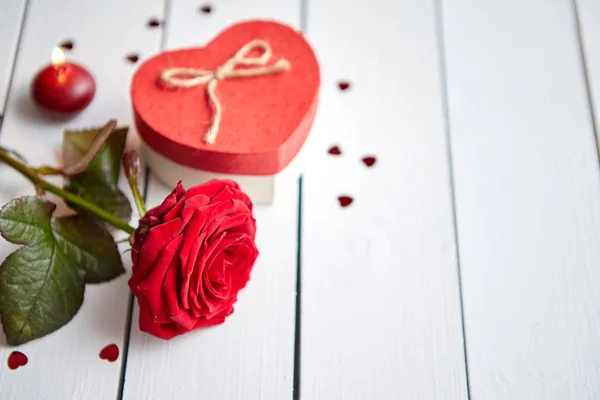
x=439, y=25
x=14, y=61
x=586, y=74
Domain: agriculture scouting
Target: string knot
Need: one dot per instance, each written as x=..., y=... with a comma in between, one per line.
x=192, y=77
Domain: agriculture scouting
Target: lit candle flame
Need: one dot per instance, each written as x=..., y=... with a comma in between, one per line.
x=58, y=56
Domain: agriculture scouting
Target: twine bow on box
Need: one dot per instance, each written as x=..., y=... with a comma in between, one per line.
x=191, y=77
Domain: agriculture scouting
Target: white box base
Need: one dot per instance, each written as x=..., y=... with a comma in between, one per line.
x=260, y=189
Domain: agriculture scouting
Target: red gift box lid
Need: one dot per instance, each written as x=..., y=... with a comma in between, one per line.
x=265, y=119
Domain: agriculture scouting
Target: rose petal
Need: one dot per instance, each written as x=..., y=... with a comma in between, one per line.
x=216, y=271
x=168, y=202
x=156, y=239
x=242, y=260
x=216, y=300
x=193, y=204
x=220, y=212
x=245, y=253
x=217, y=279
x=174, y=212
x=237, y=223
x=211, y=188
x=233, y=194
x=213, y=217
x=197, y=304
x=170, y=289
x=221, y=190
x=139, y=236
x=185, y=207
x=244, y=257
x=193, y=230
x=197, y=294
x=227, y=311
x=147, y=324
x=152, y=287
x=185, y=320
x=187, y=268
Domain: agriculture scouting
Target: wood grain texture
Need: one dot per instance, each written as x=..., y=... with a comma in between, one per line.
x=66, y=364
x=250, y=356
x=527, y=196
x=11, y=17
x=589, y=15
x=380, y=299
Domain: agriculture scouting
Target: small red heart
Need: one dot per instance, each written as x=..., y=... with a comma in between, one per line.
x=133, y=58
x=153, y=23
x=369, y=161
x=343, y=85
x=335, y=151
x=110, y=353
x=345, y=201
x=206, y=9
x=16, y=360
x=67, y=44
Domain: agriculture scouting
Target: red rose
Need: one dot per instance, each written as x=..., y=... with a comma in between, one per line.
x=191, y=256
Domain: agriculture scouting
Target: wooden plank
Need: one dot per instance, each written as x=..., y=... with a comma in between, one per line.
x=250, y=356
x=66, y=364
x=527, y=196
x=380, y=295
x=588, y=14
x=11, y=17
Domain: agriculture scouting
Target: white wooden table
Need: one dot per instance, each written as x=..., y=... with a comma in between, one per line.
x=467, y=265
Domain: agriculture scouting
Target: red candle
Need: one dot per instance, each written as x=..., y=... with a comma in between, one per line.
x=63, y=87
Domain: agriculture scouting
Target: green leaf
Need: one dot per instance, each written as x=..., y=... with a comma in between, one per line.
x=98, y=183
x=42, y=283
x=89, y=246
x=107, y=162
x=103, y=194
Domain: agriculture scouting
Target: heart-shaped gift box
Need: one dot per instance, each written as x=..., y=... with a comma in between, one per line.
x=240, y=108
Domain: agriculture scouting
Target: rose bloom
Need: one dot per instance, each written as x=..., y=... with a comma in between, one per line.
x=191, y=256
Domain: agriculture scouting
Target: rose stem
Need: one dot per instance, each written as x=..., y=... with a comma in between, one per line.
x=131, y=168
x=45, y=170
x=137, y=197
x=34, y=178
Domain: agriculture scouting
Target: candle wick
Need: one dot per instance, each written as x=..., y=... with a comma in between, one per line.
x=60, y=69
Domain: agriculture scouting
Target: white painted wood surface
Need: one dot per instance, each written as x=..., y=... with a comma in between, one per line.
x=588, y=14
x=381, y=310
x=66, y=364
x=528, y=199
x=380, y=296
x=251, y=355
x=11, y=16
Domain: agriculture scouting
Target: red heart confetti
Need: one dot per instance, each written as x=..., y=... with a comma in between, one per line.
x=369, y=161
x=345, y=201
x=206, y=9
x=133, y=58
x=67, y=44
x=16, y=360
x=343, y=85
x=110, y=353
x=153, y=23
x=335, y=150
